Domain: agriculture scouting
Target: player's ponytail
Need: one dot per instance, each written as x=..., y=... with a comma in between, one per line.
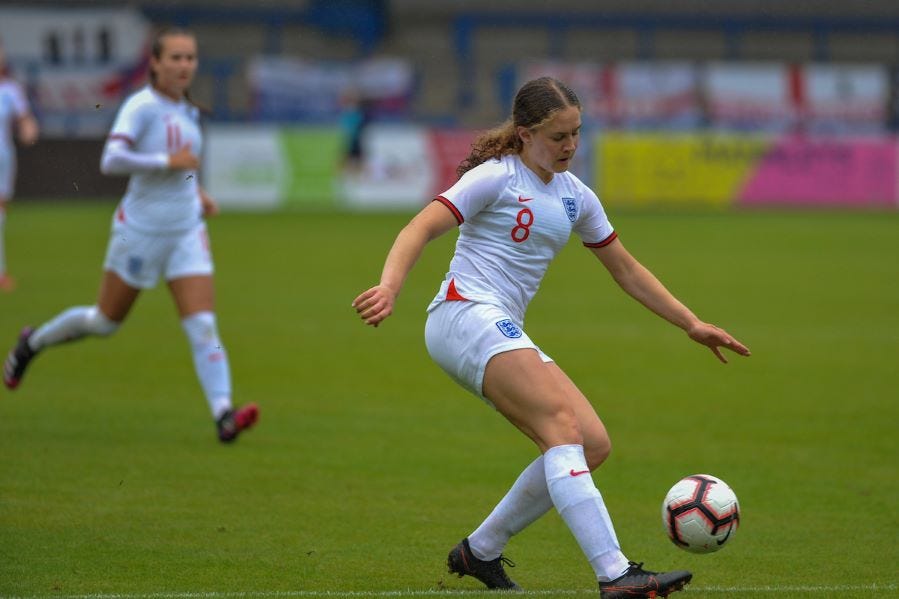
x=535, y=103
x=495, y=143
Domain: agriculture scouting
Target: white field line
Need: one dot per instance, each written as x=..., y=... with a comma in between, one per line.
x=450, y=593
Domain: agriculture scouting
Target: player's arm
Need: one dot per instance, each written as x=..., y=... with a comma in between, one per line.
x=120, y=159
x=210, y=206
x=376, y=304
x=643, y=286
x=27, y=129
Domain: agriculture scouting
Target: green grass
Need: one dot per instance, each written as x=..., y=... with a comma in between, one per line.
x=369, y=464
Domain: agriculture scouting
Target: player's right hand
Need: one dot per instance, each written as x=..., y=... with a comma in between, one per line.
x=183, y=159
x=375, y=305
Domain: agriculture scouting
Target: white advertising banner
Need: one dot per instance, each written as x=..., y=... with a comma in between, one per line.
x=398, y=169
x=244, y=166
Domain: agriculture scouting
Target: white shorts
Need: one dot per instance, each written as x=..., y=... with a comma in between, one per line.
x=141, y=258
x=462, y=337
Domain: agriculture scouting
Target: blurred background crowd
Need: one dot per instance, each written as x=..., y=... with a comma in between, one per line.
x=371, y=103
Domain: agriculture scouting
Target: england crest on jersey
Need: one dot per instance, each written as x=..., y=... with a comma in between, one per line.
x=570, y=208
x=135, y=265
x=508, y=328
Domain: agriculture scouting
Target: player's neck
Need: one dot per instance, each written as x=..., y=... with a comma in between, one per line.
x=542, y=174
x=171, y=94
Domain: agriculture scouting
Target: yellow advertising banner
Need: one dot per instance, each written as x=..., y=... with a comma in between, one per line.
x=636, y=169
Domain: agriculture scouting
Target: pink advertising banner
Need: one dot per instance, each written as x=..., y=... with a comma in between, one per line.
x=825, y=172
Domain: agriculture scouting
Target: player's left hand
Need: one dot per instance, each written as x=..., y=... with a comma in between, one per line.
x=375, y=304
x=210, y=206
x=715, y=338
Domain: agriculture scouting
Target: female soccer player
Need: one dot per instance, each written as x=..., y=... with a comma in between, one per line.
x=15, y=115
x=516, y=205
x=157, y=230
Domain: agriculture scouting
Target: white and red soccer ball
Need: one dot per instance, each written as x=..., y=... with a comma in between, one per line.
x=700, y=513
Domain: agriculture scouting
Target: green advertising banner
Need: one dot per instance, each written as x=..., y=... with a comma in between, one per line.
x=312, y=158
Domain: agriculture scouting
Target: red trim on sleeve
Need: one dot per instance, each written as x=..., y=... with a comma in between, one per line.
x=452, y=295
x=452, y=208
x=124, y=138
x=604, y=242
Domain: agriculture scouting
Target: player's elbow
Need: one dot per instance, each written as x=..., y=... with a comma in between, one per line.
x=110, y=165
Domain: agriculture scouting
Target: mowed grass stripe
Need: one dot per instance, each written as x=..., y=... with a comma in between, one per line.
x=447, y=593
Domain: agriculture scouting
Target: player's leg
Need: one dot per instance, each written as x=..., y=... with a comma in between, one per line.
x=597, y=445
x=531, y=395
x=189, y=274
x=102, y=319
x=542, y=402
x=529, y=498
x=6, y=281
x=461, y=337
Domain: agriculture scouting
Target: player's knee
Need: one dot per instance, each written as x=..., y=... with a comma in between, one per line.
x=99, y=324
x=200, y=328
x=562, y=428
x=597, y=451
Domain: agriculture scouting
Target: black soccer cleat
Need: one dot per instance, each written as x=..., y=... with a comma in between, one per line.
x=233, y=422
x=639, y=583
x=17, y=360
x=462, y=561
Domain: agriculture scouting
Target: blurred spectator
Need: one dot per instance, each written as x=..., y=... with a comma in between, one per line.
x=354, y=119
x=15, y=117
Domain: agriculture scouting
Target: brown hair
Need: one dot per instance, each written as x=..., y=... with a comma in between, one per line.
x=535, y=103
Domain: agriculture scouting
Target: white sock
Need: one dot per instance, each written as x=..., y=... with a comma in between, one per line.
x=2, y=242
x=581, y=506
x=210, y=361
x=526, y=501
x=70, y=325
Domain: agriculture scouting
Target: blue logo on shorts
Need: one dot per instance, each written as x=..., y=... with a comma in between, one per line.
x=509, y=329
x=135, y=264
x=570, y=208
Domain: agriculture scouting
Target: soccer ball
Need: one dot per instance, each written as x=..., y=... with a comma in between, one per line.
x=700, y=513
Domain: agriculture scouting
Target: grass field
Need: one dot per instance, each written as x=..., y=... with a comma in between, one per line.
x=368, y=464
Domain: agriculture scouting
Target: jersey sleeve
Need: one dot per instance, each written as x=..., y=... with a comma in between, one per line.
x=129, y=123
x=475, y=190
x=119, y=159
x=592, y=225
x=119, y=156
x=19, y=101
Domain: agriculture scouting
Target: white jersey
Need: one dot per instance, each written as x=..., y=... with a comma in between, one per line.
x=13, y=106
x=512, y=225
x=150, y=126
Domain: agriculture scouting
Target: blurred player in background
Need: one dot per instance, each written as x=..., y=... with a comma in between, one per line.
x=15, y=117
x=158, y=230
x=516, y=205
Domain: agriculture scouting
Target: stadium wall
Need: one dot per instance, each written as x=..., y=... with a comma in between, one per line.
x=65, y=168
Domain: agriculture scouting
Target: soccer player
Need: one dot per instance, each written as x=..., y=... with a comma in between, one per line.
x=15, y=116
x=516, y=205
x=158, y=229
